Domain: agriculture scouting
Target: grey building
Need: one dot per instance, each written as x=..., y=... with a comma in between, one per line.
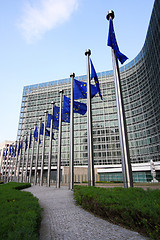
x=140, y=81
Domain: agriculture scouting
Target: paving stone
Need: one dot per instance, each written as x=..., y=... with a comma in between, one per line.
x=62, y=219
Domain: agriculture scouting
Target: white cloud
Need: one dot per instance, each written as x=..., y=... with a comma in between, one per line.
x=45, y=15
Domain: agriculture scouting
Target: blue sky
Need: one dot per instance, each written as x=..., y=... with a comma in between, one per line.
x=45, y=40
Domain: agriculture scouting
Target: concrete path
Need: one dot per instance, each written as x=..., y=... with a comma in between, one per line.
x=63, y=220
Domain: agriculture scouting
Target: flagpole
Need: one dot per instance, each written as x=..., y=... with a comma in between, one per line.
x=15, y=168
x=9, y=164
x=27, y=158
x=3, y=163
x=20, y=155
x=59, y=143
x=32, y=155
x=12, y=163
x=23, y=160
x=50, y=148
x=37, y=154
x=43, y=150
x=126, y=164
x=6, y=164
x=89, y=126
x=71, y=151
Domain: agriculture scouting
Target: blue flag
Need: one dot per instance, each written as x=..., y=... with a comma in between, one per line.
x=55, y=117
x=42, y=129
x=10, y=150
x=20, y=145
x=47, y=132
x=80, y=90
x=6, y=151
x=94, y=75
x=30, y=139
x=50, y=116
x=78, y=107
x=36, y=135
x=26, y=143
x=4, y=155
x=15, y=150
x=113, y=43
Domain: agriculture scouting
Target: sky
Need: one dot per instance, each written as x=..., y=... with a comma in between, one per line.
x=46, y=40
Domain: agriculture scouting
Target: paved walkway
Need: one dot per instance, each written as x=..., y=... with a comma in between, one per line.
x=63, y=220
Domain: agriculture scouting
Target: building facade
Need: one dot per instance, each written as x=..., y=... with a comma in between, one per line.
x=6, y=160
x=140, y=81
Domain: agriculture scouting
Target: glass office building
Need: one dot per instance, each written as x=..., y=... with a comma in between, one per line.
x=140, y=81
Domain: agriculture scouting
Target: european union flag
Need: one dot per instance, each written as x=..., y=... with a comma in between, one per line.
x=78, y=107
x=55, y=117
x=94, y=75
x=6, y=151
x=49, y=117
x=10, y=150
x=4, y=155
x=47, y=132
x=26, y=143
x=80, y=90
x=20, y=145
x=42, y=129
x=36, y=135
x=30, y=139
x=15, y=150
x=113, y=43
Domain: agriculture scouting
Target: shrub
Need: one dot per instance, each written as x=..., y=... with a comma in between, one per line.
x=133, y=208
x=20, y=213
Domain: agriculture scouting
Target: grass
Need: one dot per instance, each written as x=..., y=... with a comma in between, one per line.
x=20, y=213
x=133, y=208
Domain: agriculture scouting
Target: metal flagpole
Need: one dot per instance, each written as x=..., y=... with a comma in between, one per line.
x=16, y=162
x=23, y=160
x=59, y=142
x=19, y=162
x=43, y=150
x=3, y=163
x=71, y=150
x=50, y=149
x=126, y=164
x=9, y=163
x=91, y=181
x=6, y=164
x=37, y=154
x=13, y=163
x=27, y=160
x=32, y=155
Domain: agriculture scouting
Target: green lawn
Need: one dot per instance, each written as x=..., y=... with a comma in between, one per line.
x=20, y=213
x=133, y=208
